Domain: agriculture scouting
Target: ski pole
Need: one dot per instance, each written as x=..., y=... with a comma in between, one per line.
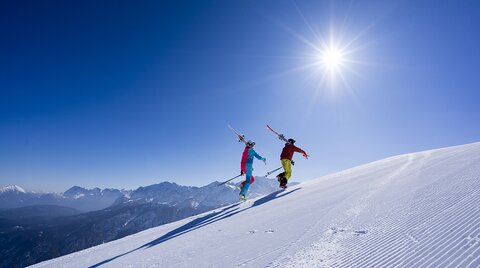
x=229, y=180
x=270, y=172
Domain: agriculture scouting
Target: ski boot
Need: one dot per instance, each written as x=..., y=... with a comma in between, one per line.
x=243, y=198
x=240, y=187
x=283, y=183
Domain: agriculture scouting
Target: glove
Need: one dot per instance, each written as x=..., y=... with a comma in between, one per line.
x=306, y=156
x=264, y=161
x=293, y=163
x=241, y=173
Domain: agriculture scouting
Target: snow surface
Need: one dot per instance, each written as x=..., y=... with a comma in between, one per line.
x=413, y=210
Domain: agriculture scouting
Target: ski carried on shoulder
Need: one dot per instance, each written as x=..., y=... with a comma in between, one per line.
x=280, y=136
x=240, y=137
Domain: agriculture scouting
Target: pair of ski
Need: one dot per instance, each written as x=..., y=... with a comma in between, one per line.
x=241, y=138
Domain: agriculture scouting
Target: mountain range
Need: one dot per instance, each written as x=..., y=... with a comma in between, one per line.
x=13, y=196
x=36, y=227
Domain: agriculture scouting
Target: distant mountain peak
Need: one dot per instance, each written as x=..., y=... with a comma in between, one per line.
x=12, y=189
x=76, y=188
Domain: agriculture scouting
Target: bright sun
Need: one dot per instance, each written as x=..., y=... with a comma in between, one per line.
x=332, y=59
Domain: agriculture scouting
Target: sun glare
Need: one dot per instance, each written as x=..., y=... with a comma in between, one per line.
x=332, y=59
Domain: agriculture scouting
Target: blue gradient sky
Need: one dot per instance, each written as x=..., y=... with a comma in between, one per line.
x=130, y=93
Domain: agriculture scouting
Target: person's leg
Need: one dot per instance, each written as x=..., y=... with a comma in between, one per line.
x=243, y=182
x=248, y=181
x=287, y=166
x=280, y=176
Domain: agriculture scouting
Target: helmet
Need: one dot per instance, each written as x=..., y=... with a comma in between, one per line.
x=291, y=141
x=250, y=143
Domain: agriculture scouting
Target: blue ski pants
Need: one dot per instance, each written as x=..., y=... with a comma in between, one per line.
x=248, y=180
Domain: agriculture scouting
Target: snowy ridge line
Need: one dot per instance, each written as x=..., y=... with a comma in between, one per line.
x=459, y=149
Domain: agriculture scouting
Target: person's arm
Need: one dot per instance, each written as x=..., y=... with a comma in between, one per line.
x=259, y=157
x=298, y=150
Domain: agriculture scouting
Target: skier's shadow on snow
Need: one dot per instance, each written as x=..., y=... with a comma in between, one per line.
x=214, y=217
x=210, y=218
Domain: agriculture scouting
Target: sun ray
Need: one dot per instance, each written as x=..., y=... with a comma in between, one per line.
x=331, y=55
x=315, y=34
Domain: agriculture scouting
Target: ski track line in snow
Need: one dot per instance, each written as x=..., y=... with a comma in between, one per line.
x=388, y=245
x=333, y=243
x=430, y=229
x=435, y=243
x=383, y=183
x=428, y=220
x=376, y=190
x=461, y=256
x=472, y=217
x=244, y=263
x=390, y=241
x=465, y=195
x=301, y=237
x=462, y=243
x=475, y=262
x=309, y=232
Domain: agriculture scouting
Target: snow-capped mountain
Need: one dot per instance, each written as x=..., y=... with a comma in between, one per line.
x=13, y=196
x=413, y=210
x=12, y=189
x=78, y=198
x=210, y=195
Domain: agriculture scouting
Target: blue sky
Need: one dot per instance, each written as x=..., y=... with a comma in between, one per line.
x=131, y=93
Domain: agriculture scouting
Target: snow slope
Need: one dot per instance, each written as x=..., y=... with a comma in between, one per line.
x=413, y=210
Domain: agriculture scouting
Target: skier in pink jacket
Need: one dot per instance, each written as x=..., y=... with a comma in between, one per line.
x=246, y=167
